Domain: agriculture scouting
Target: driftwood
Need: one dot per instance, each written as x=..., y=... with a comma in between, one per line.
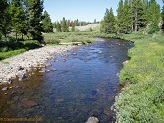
x=71, y=43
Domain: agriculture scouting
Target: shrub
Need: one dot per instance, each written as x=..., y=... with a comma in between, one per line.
x=142, y=100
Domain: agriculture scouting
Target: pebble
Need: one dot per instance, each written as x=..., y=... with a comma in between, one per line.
x=20, y=64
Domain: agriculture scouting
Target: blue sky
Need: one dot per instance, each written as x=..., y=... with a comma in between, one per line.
x=84, y=10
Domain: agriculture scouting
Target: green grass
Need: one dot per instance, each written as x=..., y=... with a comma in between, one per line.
x=12, y=48
x=8, y=54
x=142, y=99
x=56, y=38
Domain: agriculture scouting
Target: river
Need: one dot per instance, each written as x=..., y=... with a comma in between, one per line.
x=78, y=84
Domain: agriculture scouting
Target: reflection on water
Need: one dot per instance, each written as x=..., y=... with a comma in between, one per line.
x=80, y=83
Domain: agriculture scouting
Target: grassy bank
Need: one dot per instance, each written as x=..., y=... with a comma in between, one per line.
x=66, y=37
x=142, y=99
x=11, y=48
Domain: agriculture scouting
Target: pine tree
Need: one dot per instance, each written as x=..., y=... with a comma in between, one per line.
x=112, y=21
x=58, y=27
x=162, y=17
x=34, y=9
x=120, y=17
x=127, y=23
x=5, y=18
x=107, y=25
x=137, y=14
x=102, y=26
x=64, y=25
x=73, y=27
x=146, y=9
x=47, y=25
x=18, y=16
x=76, y=22
x=153, y=16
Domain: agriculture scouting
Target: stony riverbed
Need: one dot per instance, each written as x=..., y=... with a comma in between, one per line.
x=25, y=62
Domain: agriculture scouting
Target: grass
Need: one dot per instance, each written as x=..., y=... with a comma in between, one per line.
x=56, y=38
x=8, y=54
x=142, y=99
x=12, y=48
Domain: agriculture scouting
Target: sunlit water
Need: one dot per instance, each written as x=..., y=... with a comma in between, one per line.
x=80, y=83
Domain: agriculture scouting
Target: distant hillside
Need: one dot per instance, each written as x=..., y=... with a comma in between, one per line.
x=87, y=27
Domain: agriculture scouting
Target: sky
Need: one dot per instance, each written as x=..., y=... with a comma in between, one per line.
x=83, y=10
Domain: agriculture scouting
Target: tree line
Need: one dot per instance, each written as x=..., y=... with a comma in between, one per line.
x=133, y=15
x=24, y=17
x=63, y=25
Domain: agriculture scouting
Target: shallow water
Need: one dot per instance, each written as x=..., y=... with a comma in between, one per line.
x=80, y=83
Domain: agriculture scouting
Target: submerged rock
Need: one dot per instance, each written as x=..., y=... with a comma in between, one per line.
x=100, y=52
x=53, y=69
x=28, y=103
x=93, y=92
x=92, y=120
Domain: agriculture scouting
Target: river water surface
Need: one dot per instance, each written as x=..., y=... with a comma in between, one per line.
x=79, y=84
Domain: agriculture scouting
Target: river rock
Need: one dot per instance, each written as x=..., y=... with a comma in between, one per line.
x=100, y=52
x=43, y=70
x=48, y=64
x=74, y=54
x=22, y=78
x=53, y=69
x=4, y=88
x=125, y=62
x=28, y=103
x=92, y=120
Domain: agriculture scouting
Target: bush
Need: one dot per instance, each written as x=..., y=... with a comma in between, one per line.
x=153, y=29
x=51, y=40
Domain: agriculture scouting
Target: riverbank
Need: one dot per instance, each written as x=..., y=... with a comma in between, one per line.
x=20, y=64
x=142, y=98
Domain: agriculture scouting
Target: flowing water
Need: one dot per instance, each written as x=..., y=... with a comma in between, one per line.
x=79, y=84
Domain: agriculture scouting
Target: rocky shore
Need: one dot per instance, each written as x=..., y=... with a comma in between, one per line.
x=19, y=65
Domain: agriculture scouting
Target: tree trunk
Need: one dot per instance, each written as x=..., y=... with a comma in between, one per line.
x=16, y=36
x=136, y=21
x=22, y=37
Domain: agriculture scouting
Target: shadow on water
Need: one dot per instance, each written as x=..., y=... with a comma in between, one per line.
x=79, y=84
